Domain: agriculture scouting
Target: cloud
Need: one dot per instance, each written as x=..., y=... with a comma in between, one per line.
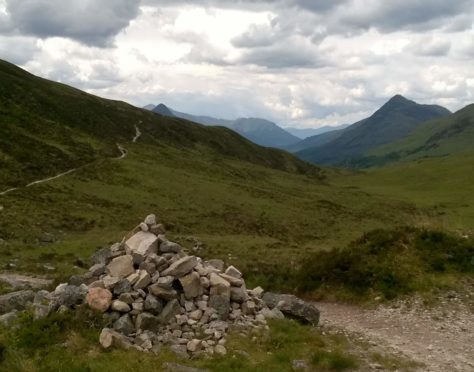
x=290, y=54
x=92, y=22
x=394, y=15
x=18, y=49
x=430, y=46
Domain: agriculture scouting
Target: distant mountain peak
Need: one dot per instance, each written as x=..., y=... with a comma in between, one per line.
x=162, y=109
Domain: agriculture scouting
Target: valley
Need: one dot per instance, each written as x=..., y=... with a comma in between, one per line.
x=260, y=209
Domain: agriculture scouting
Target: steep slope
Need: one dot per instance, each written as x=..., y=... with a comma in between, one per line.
x=447, y=136
x=304, y=133
x=396, y=119
x=47, y=128
x=263, y=132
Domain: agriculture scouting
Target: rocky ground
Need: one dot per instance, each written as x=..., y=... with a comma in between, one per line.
x=439, y=338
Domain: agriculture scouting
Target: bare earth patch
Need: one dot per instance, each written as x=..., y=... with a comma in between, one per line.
x=440, y=338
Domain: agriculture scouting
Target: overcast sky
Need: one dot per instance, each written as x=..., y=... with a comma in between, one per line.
x=303, y=63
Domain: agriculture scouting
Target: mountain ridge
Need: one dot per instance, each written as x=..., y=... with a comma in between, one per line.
x=394, y=120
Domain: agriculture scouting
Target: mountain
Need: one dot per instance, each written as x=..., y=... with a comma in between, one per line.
x=205, y=120
x=163, y=110
x=149, y=107
x=447, y=136
x=395, y=120
x=263, y=132
x=47, y=128
x=259, y=131
x=303, y=133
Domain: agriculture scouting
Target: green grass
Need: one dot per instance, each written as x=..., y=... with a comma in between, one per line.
x=69, y=342
x=260, y=216
x=390, y=263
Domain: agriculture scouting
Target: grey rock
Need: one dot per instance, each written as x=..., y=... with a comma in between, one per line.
x=238, y=295
x=219, y=300
x=191, y=284
x=152, y=305
x=165, y=294
x=293, y=307
x=147, y=321
x=69, y=295
x=124, y=325
x=121, y=267
x=217, y=280
x=171, y=309
x=110, y=338
x=102, y=256
x=232, y=271
x=149, y=267
x=181, y=267
x=170, y=247
x=217, y=264
x=150, y=219
x=123, y=286
x=126, y=297
x=120, y=306
x=165, y=282
x=143, y=280
x=97, y=270
x=142, y=243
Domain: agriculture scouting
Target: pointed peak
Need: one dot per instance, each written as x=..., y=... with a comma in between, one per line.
x=398, y=98
x=163, y=110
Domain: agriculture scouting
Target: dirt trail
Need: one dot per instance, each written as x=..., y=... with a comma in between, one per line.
x=122, y=150
x=441, y=338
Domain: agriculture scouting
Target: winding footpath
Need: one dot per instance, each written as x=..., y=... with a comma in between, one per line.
x=123, y=154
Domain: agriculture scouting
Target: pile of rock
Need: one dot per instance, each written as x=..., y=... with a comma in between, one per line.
x=155, y=294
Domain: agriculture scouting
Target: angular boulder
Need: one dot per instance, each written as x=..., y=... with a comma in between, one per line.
x=124, y=325
x=191, y=284
x=142, y=243
x=109, y=338
x=293, y=307
x=181, y=267
x=171, y=309
x=170, y=247
x=121, y=266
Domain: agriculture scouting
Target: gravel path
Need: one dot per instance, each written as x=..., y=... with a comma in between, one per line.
x=440, y=338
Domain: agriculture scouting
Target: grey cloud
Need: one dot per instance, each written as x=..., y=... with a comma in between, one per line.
x=17, y=49
x=289, y=54
x=92, y=22
x=203, y=52
x=255, y=36
x=428, y=46
x=392, y=15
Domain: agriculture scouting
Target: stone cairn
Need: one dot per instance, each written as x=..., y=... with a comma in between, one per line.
x=154, y=294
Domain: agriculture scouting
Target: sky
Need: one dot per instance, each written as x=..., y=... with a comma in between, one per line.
x=300, y=63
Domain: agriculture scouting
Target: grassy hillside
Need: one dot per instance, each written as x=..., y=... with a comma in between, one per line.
x=393, y=121
x=46, y=128
x=441, y=184
x=436, y=138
